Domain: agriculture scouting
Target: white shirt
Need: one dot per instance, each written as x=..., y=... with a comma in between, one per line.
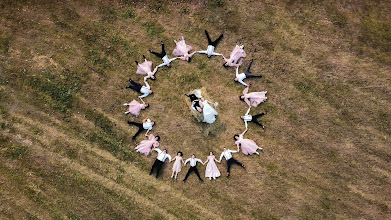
x=227, y=154
x=166, y=61
x=148, y=124
x=210, y=49
x=193, y=161
x=240, y=77
x=145, y=90
x=247, y=117
x=162, y=156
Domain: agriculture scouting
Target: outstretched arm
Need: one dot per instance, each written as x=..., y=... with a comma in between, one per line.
x=221, y=156
x=238, y=146
x=181, y=58
x=146, y=84
x=142, y=100
x=248, y=111
x=163, y=64
x=244, y=131
x=190, y=55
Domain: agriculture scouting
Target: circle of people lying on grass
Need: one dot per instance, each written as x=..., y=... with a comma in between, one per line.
x=202, y=109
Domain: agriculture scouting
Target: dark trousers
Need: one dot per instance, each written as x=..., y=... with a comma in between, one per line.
x=140, y=128
x=255, y=119
x=213, y=43
x=247, y=71
x=192, y=169
x=134, y=85
x=160, y=55
x=232, y=161
x=158, y=165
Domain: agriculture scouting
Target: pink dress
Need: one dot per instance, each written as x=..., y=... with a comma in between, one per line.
x=254, y=98
x=211, y=169
x=178, y=164
x=134, y=108
x=236, y=57
x=145, y=68
x=182, y=49
x=248, y=146
x=145, y=146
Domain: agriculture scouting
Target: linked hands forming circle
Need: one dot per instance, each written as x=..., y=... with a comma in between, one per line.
x=199, y=105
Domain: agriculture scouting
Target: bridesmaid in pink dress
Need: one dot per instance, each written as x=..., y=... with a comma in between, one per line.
x=211, y=169
x=176, y=168
x=236, y=57
x=135, y=107
x=145, y=146
x=253, y=98
x=248, y=146
x=146, y=69
x=182, y=50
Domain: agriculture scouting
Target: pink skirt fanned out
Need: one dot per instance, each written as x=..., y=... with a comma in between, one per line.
x=144, y=68
x=181, y=48
x=134, y=108
x=248, y=146
x=257, y=98
x=236, y=56
x=145, y=146
x=212, y=170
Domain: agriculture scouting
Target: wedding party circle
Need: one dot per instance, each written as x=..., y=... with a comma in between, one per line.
x=201, y=108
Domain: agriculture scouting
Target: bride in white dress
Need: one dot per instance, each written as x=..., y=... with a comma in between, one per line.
x=208, y=111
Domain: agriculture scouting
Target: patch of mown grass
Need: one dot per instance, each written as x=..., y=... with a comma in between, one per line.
x=113, y=145
x=4, y=44
x=382, y=120
x=153, y=28
x=213, y=4
x=57, y=90
x=100, y=121
x=335, y=16
x=129, y=13
x=376, y=34
x=16, y=151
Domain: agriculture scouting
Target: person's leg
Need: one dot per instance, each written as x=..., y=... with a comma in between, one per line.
x=198, y=174
x=158, y=168
x=237, y=162
x=214, y=43
x=207, y=36
x=136, y=62
x=156, y=54
x=163, y=50
x=255, y=119
x=172, y=175
x=248, y=75
x=140, y=128
x=153, y=167
x=229, y=163
x=248, y=67
x=188, y=173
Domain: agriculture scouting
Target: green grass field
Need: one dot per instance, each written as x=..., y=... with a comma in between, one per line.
x=65, y=145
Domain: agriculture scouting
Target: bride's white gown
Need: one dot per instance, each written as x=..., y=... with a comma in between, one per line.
x=209, y=113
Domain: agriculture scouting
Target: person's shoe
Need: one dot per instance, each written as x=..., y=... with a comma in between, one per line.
x=127, y=86
x=184, y=181
x=201, y=180
x=243, y=166
x=227, y=174
x=130, y=79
